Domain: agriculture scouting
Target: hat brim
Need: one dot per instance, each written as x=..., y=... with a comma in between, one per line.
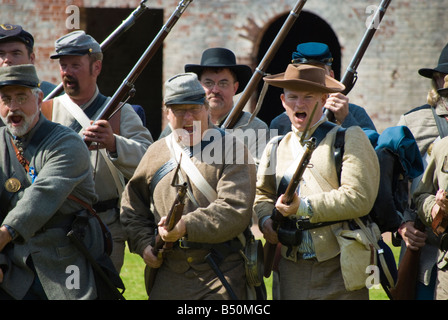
x=20, y=83
x=428, y=72
x=69, y=53
x=331, y=85
x=27, y=42
x=443, y=92
x=243, y=72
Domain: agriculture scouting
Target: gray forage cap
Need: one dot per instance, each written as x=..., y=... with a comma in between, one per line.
x=184, y=88
x=76, y=43
x=24, y=75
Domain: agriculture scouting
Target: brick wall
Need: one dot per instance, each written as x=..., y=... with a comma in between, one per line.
x=410, y=37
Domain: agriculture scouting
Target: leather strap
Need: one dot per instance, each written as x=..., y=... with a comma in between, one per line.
x=47, y=111
x=24, y=162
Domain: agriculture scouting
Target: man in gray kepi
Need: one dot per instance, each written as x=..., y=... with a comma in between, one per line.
x=117, y=144
x=41, y=165
x=17, y=47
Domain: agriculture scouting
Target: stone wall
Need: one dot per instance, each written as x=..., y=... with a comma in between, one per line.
x=410, y=37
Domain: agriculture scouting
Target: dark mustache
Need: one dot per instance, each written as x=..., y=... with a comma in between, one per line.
x=69, y=79
x=215, y=95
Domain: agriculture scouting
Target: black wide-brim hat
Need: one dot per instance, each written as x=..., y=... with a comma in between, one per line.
x=222, y=58
x=442, y=65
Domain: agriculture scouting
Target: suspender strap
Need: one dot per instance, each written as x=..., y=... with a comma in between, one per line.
x=442, y=123
x=90, y=111
x=319, y=134
x=160, y=173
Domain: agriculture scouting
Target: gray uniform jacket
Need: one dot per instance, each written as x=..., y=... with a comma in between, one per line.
x=434, y=178
x=423, y=126
x=132, y=143
x=38, y=212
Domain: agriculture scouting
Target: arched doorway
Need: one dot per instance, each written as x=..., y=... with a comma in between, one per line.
x=125, y=52
x=308, y=27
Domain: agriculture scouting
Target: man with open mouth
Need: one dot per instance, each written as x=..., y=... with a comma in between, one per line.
x=332, y=189
x=205, y=260
x=45, y=181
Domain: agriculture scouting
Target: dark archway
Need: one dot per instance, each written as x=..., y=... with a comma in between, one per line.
x=123, y=54
x=308, y=27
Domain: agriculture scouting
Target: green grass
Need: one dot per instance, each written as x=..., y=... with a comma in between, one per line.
x=132, y=274
x=133, y=278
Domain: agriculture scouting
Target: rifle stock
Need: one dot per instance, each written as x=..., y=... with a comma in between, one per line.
x=405, y=289
x=439, y=223
x=351, y=75
x=121, y=29
x=234, y=114
x=160, y=245
x=127, y=86
x=270, y=248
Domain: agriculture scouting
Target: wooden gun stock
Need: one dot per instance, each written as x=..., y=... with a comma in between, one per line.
x=172, y=219
x=405, y=288
x=160, y=245
x=270, y=248
x=439, y=223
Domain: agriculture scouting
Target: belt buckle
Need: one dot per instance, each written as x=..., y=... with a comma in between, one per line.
x=301, y=223
x=182, y=243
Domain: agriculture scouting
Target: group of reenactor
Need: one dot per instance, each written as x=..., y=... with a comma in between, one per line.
x=75, y=189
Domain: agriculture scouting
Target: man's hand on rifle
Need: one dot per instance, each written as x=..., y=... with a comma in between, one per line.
x=179, y=230
x=414, y=238
x=268, y=232
x=288, y=209
x=441, y=203
x=150, y=259
x=101, y=133
x=338, y=104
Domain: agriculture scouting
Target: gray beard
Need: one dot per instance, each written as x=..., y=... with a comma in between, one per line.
x=24, y=128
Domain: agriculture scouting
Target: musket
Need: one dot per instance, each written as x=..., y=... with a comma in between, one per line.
x=127, y=86
x=121, y=29
x=260, y=71
x=270, y=248
x=173, y=217
x=351, y=75
x=407, y=277
x=440, y=222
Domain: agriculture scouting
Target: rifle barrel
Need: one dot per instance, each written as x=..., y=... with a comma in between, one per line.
x=138, y=68
x=270, y=248
x=363, y=45
x=350, y=75
x=260, y=70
